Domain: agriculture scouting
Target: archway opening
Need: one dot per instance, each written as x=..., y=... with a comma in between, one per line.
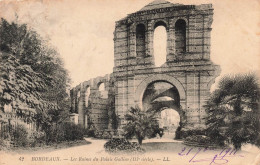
x=160, y=94
x=169, y=121
x=160, y=45
x=101, y=87
x=163, y=97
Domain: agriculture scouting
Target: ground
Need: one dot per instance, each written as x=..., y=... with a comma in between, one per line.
x=158, y=151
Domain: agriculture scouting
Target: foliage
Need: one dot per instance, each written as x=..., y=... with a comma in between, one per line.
x=119, y=145
x=36, y=139
x=20, y=86
x=140, y=124
x=32, y=74
x=20, y=136
x=32, y=78
x=72, y=131
x=157, y=130
x=191, y=132
x=233, y=110
x=103, y=134
x=90, y=132
x=65, y=131
x=200, y=139
x=14, y=137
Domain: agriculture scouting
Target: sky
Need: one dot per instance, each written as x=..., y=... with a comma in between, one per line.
x=82, y=31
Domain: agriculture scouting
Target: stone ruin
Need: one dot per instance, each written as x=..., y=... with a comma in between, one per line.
x=102, y=102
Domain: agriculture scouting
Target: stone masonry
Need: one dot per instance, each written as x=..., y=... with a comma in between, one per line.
x=187, y=66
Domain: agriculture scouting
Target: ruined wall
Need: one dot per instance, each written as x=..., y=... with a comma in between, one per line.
x=188, y=64
x=93, y=104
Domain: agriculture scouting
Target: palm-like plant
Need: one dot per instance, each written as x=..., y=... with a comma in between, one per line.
x=140, y=124
x=234, y=105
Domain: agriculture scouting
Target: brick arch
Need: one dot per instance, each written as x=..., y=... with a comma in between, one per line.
x=159, y=77
x=183, y=117
x=132, y=28
x=160, y=22
x=180, y=18
x=99, y=83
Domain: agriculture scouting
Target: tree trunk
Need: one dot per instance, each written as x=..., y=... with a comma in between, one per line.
x=140, y=140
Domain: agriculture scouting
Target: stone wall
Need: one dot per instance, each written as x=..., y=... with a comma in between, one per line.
x=187, y=66
x=92, y=104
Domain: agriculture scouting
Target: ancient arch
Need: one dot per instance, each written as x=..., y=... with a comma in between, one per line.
x=160, y=77
x=160, y=43
x=160, y=23
x=188, y=66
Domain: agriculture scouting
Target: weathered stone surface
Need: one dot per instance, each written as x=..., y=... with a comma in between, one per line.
x=188, y=66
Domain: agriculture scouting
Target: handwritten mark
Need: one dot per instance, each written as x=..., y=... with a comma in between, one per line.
x=220, y=158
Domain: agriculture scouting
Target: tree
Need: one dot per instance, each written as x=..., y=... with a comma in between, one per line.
x=32, y=75
x=233, y=110
x=140, y=124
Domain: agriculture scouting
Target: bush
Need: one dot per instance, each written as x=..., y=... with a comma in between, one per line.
x=4, y=144
x=157, y=130
x=90, y=133
x=20, y=136
x=122, y=145
x=64, y=132
x=187, y=133
x=200, y=139
x=73, y=132
x=37, y=139
x=17, y=136
x=106, y=135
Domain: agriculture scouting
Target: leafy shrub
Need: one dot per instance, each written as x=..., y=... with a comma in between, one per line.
x=64, y=132
x=122, y=145
x=20, y=136
x=72, y=132
x=106, y=135
x=216, y=136
x=200, y=139
x=37, y=139
x=187, y=133
x=90, y=133
x=4, y=144
x=100, y=134
x=157, y=130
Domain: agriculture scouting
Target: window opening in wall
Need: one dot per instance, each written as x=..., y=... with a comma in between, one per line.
x=160, y=45
x=101, y=87
x=180, y=36
x=140, y=40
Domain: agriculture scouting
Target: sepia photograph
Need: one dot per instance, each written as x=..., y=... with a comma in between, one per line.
x=133, y=82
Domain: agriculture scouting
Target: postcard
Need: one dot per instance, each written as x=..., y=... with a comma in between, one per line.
x=129, y=82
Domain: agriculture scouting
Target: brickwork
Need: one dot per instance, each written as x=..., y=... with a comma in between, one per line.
x=187, y=66
x=90, y=103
